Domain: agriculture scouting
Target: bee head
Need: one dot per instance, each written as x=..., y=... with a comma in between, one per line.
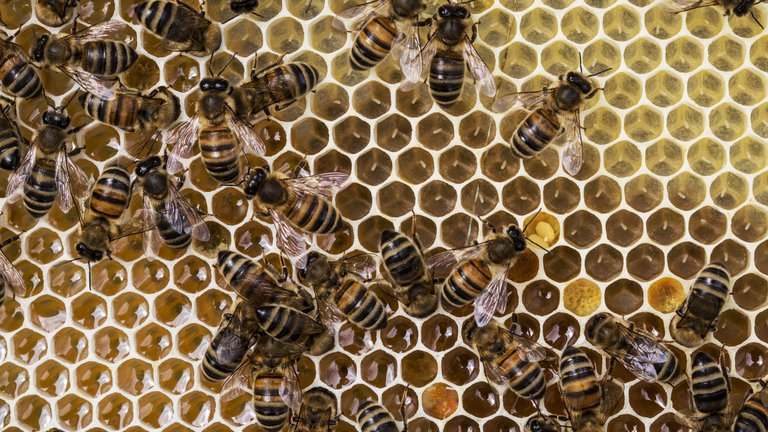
x=56, y=118
x=214, y=84
x=453, y=11
x=518, y=238
x=252, y=182
x=540, y=424
x=39, y=50
x=582, y=83
x=316, y=268
x=598, y=331
x=89, y=254
x=145, y=166
x=742, y=8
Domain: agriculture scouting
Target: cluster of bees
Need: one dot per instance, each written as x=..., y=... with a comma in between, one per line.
x=275, y=320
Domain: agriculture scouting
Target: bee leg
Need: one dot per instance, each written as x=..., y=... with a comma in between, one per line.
x=403, y=411
x=474, y=31
x=285, y=105
x=277, y=62
x=490, y=226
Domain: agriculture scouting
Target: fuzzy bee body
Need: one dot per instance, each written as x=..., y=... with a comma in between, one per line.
x=317, y=412
x=446, y=77
x=55, y=13
x=272, y=413
x=373, y=43
x=373, y=417
x=406, y=267
x=277, y=86
x=360, y=305
x=132, y=112
x=111, y=193
x=17, y=74
x=227, y=349
x=753, y=416
x=180, y=27
x=286, y=324
x=40, y=190
x=535, y=133
x=698, y=315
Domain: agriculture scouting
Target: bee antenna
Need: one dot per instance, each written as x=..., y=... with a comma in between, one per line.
x=538, y=245
x=525, y=227
x=210, y=64
x=752, y=13
x=581, y=64
x=602, y=71
x=69, y=101
x=47, y=100
x=227, y=64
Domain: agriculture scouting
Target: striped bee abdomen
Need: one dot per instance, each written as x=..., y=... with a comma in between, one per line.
x=535, y=132
x=525, y=378
x=224, y=354
x=17, y=75
x=373, y=417
x=122, y=111
x=164, y=18
x=282, y=323
x=446, y=77
x=360, y=305
x=171, y=237
x=753, y=416
x=107, y=58
x=10, y=147
x=709, y=385
x=110, y=195
x=271, y=410
x=578, y=379
x=40, y=187
x=402, y=259
x=220, y=152
x=314, y=214
x=373, y=43
x=465, y=283
x=712, y=286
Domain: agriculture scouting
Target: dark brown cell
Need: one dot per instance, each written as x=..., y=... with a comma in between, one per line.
x=369, y=232
x=644, y=193
x=686, y=259
x=400, y=334
x=352, y=398
x=437, y=198
x=761, y=257
x=457, y=164
x=541, y=298
x=435, y=131
x=354, y=201
x=604, y=262
x=498, y=164
x=561, y=195
x=477, y=129
x=561, y=330
x=414, y=103
x=396, y=199
x=310, y=136
x=749, y=223
x=733, y=328
x=333, y=161
x=459, y=230
x=686, y=191
x=373, y=167
x=750, y=291
x=544, y=165
x=337, y=370
x=352, y=134
x=624, y=228
x=521, y=196
x=393, y=133
x=392, y=400
x=479, y=197
x=647, y=399
x=624, y=296
x=372, y=99
x=461, y=424
x=525, y=268
x=419, y=368
x=649, y=322
x=460, y=366
x=480, y=400
x=582, y=229
x=355, y=340
x=625, y=422
x=562, y=263
x=415, y=165
x=752, y=361
x=645, y=262
x=667, y=423
x=426, y=230
x=379, y=369
x=602, y=194
x=501, y=424
x=761, y=326
x=733, y=255
x=665, y=226
x=439, y=333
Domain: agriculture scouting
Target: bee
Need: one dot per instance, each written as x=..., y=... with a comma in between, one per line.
x=738, y=8
x=10, y=277
x=55, y=13
x=712, y=409
x=175, y=220
x=637, y=350
x=243, y=6
x=448, y=51
x=231, y=343
x=509, y=360
x=11, y=139
x=17, y=75
x=588, y=399
x=220, y=131
x=180, y=27
x=554, y=111
x=47, y=174
x=406, y=267
x=753, y=415
x=372, y=417
x=479, y=272
x=298, y=205
x=317, y=412
x=105, y=208
x=288, y=325
x=133, y=112
x=88, y=56
x=385, y=26
x=339, y=291
x=542, y=423
x=278, y=86
x=699, y=313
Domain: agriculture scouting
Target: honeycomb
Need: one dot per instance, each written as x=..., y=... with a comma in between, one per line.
x=674, y=176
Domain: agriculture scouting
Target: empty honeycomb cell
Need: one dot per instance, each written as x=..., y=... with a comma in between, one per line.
x=74, y=412
x=439, y=333
x=603, y=194
x=413, y=103
x=48, y=313
x=111, y=344
x=645, y=261
x=435, y=131
x=419, y=368
x=733, y=328
x=704, y=23
x=644, y=193
x=109, y=277
x=661, y=24
x=750, y=361
x=285, y=35
x=729, y=190
x=155, y=409
x=706, y=88
x=706, y=156
x=643, y=124
x=498, y=28
x=94, y=379
x=685, y=123
x=665, y=226
x=518, y=60
x=686, y=259
x=541, y=298
x=643, y=55
x=70, y=345
x=561, y=195
x=355, y=340
x=388, y=70
x=747, y=87
x=582, y=297
x=750, y=291
x=732, y=254
x=602, y=126
x=622, y=90
x=647, y=399
x=14, y=380
x=664, y=89
x=562, y=263
x=726, y=53
x=310, y=136
x=748, y=155
x=393, y=132
x=153, y=342
x=115, y=411
x=543, y=165
x=623, y=296
x=686, y=191
x=621, y=23
x=560, y=330
x=479, y=197
x=521, y=196
x=34, y=412
x=579, y=25
x=558, y=58
x=604, y=262
x=337, y=370
x=728, y=122
x=197, y=408
x=684, y=54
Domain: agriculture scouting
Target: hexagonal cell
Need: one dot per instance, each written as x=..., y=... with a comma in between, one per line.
x=176, y=376
x=518, y=60
x=399, y=335
x=579, y=25
x=733, y=255
x=435, y=131
x=521, y=196
x=373, y=167
x=109, y=277
x=14, y=380
x=561, y=195
x=43, y=245
x=604, y=262
x=379, y=369
x=74, y=412
x=439, y=401
x=562, y=263
x=664, y=89
x=603, y=125
x=48, y=313
x=750, y=292
x=498, y=28
x=111, y=344
x=645, y=262
x=93, y=379
x=643, y=124
x=686, y=191
x=28, y=346
x=750, y=361
x=644, y=193
x=337, y=370
x=197, y=408
x=153, y=342
x=183, y=72
x=155, y=409
x=621, y=23
x=729, y=190
x=33, y=412
x=624, y=296
x=602, y=194
x=89, y=310
x=726, y=53
x=115, y=411
x=52, y=378
x=686, y=259
x=733, y=328
x=135, y=377
x=561, y=330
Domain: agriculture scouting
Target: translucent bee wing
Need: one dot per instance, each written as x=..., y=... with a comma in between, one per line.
x=320, y=184
x=479, y=69
x=104, y=30
x=290, y=390
x=152, y=240
x=183, y=217
x=11, y=275
x=247, y=135
x=677, y=6
x=359, y=14
x=182, y=136
x=289, y=239
x=427, y=53
x=363, y=265
x=443, y=263
x=101, y=87
x=19, y=176
x=330, y=314
x=531, y=350
x=132, y=227
x=573, y=154
x=407, y=50
x=241, y=380
x=493, y=297
x=527, y=100
x=613, y=392
x=71, y=181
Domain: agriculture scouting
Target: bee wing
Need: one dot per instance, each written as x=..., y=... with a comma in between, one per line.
x=102, y=87
x=183, y=136
x=677, y=6
x=241, y=380
x=71, y=182
x=407, y=50
x=104, y=30
x=19, y=176
x=12, y=275
x=479, y=69
x=289, y=239
x=427, y=53
x=247, y=135
x=330, y=314
x=132, y=227
x=573, y=155
x=152, y=240
x=363, y=265
x=531, y=350
x=527, y=100
x=644, y=353
x=183, y=217
x=17, y=50
x=493, y=297
x=320, y=184
x=358, y=14
x=290, y=389
x=613, y=391
x=443, y=263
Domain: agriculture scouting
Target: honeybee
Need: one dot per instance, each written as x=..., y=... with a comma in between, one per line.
x=479, y=272
x=175, y=220
x=133, y=112
x=317, y=412
x=231, y=343
x=448, y=51
x=383, y=26
x=288, y=325
x=55, y=13
x=243, y=6
x=406, y=267
x=542, y=423
x=554, y=110
x=712, y=408
x=11, y=139
x=10, y=277
x=180, y=27
x=699, y=313
x=17, y=75
x=278, y=85
x=88, y=56
x=738, y=7
x=47, y=173
x=341, y=292
x=105, y=208
x=220, y=131
x=508, y=359
x=753, y=415
x=373, y=417
x=588, y=399
x=298, y=205
x=637, y=350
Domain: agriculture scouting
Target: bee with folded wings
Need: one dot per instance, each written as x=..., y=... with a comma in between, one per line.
x=317, y=413
x=385, y=26
x=175, y=220
x=89, y=56
x=47, y=174
x=448, y=51
x=406, y=267
x=17, y=74
x=753, y=416
x=299, y=206
x=219, y=130
x=738, y=8
x=10, y=278
x=11, y=140
x=555, y=111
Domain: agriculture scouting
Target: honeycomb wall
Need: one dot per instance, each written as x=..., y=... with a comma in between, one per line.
x=674, y=176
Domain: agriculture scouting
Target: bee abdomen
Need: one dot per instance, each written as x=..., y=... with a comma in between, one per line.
x=402, y=259
x=18, y=76
x=360, y=305
x=40, y=188
x=243, y=6
x=3, y=289
x=107, y=58
x=373, y=417
x=271, y=410
x=446, y=77
x=373, y=43
x=171, y=237
x=525, y=378
x=314, y=214
x=111, y=193
x=535, y=132
x=122, y=111
x=219, y=151
x=579, y=380
x=466, y=283
x=713, y=283
x=753, y=416
x=708, y=384
x=10, y=149
x=160, y=17
x=218, y=363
